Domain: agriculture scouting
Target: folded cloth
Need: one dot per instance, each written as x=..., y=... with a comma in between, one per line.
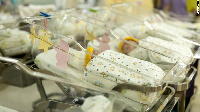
x=97, y=104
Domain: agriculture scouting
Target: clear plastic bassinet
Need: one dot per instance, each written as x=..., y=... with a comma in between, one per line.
x=142, y=30
x=51, y=54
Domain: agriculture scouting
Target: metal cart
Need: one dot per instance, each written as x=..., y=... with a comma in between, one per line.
x=48, y=104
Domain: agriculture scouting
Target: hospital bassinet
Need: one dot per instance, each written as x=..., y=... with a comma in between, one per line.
x=76, y=92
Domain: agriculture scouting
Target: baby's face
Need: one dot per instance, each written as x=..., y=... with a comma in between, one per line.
x=126, y=48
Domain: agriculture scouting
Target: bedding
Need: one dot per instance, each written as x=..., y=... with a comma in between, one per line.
x=170, y=49
x=14, y=42
x=109, y=74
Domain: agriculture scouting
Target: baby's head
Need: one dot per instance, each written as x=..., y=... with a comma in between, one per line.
x=126, y=47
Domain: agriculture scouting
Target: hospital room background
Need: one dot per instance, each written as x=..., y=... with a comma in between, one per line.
x=99, y=56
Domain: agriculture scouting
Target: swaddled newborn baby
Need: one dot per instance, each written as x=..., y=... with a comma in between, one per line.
x=14, y=41
x=11, y=38
x=168, y=49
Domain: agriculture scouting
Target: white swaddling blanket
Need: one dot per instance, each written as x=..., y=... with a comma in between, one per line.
x=108, y=75
x=10, y=38
x=14, y=42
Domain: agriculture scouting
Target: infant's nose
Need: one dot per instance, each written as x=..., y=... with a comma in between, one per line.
x=127, y=47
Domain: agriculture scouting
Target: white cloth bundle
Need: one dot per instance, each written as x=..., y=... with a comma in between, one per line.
x=15, y=38
x=14, y=42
